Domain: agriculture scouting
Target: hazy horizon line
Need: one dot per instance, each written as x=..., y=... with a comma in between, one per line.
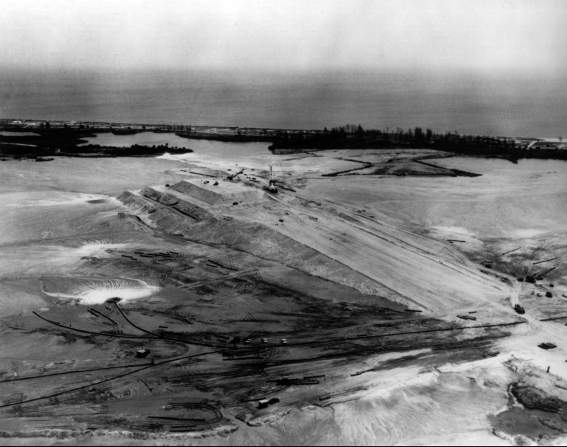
x=292, y=71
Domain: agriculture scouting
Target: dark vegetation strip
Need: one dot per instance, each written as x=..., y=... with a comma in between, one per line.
x=70, y=142
x=347, y=171
x=456, y=172
x=355, y=137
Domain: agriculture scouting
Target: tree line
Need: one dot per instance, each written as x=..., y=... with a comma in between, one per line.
x=356, y=137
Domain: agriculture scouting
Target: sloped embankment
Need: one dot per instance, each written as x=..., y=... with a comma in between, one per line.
x=417, y=268
x=325, y=240
x=190, y=220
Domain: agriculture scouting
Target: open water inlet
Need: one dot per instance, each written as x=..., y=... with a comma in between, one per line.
x=96, y=290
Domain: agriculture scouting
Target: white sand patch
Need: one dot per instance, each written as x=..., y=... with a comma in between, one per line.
x=23, y=261
x=56, y=198
x=505, y=199
x=97, y=248
x=527, y=233
x=403, y=406
x=97, y=290
x=454, y=231
x=480, y=437
x=525, y=347
x=303, y=164
x=562, y=440
x=462, y=238
x=100, y=295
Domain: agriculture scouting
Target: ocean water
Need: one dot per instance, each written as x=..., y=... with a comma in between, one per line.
x=142, y=138
x=509, y=105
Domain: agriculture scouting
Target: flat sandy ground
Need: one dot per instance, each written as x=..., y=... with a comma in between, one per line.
x=368, y=301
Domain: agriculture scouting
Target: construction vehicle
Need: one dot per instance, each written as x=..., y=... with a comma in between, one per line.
x=271, y=183
x=236, y=174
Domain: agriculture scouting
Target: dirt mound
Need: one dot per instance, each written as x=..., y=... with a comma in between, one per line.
x=372, y=257
x=197, y=192
x=196, y=224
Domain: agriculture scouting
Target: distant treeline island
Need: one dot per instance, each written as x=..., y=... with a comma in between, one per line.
x=27, y=138
x=355, y=137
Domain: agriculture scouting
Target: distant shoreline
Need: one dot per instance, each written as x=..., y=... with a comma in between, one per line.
x=44, y=143
x=66, y=138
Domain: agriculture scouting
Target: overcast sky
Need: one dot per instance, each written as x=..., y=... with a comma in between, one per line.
x=478, y=35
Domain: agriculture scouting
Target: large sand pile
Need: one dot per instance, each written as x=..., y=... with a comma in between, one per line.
x=318, y=239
